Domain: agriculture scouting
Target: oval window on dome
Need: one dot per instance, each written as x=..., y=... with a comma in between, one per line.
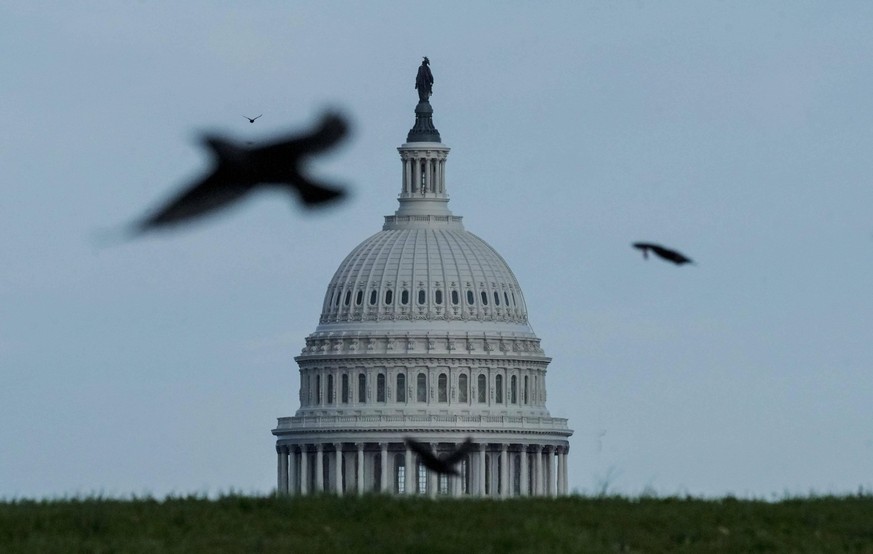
x=404, y=297
x=514, y=301
x=470, y=298
x=455, y=297
x=422, y=296
x=348, y=297
x=389, y=296
x=359, y=298
x=496, y=298
x=484, y=296
x=506, y=297
x=438, y=297
x=374, y=296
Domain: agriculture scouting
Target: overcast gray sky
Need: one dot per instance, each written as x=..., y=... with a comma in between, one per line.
x=738, y=132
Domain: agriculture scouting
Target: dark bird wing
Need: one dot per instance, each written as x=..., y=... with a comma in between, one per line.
x=670, y=255
x=213, y=192
x=462, y=450
x=423, y=451
x=330, y=130
x=313, y=193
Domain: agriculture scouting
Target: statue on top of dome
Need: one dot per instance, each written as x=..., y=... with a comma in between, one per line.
x=424, y=81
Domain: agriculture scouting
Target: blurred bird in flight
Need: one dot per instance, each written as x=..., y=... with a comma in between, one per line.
x=252, y=119
x=240, y=169
x=665, y=253
x=442, y=464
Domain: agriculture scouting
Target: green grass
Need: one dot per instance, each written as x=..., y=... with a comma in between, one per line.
x=382, y=524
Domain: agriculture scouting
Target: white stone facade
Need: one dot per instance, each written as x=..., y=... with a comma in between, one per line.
x=423, y=333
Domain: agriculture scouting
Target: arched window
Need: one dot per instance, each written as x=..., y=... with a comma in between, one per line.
x=421, y=388
x=422, y=296
x=330, y=389
x=389, y=296
x=462, y=388
x=362, y=387
x=506, y=297
x=496, y=299
x=484, y=296
x=470, y=298
x=401, y=387
x=513, y=389
x=374, y=296
x=438, y=297
x=359, y=298
x=498, y=389
x=345, y=388
x=318, y=389
x=336, y=298
x=380, y=387
x=400, y=473
x=455, y=297
x=442, y=388
x=525, y=393
x=404, y=297
x=481, y=388
x=348, y=297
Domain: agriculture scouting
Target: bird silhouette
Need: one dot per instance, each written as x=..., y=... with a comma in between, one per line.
x=442, y=464
x=239, y=169
x=252, y=119
x=665, y=253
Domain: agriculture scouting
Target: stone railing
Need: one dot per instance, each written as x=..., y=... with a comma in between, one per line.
x=391, y=422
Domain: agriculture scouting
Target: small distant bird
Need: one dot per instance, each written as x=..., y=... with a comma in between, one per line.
x=445, y=463
x=665, y=253
x=252, y=119
x=240, y=169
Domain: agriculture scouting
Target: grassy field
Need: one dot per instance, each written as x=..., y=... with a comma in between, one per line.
x=381, y=524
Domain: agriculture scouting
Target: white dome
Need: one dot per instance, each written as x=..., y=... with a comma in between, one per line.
x=424, y=272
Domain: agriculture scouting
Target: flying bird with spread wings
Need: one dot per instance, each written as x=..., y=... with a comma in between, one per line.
x=240, y=169
x=252, y=119
x=665, y=253
x=444, y=464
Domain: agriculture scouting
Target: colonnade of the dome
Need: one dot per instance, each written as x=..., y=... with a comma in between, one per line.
x=492, y=469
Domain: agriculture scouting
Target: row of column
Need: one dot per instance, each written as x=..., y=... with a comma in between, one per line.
x=424, y=175
x=493, y=470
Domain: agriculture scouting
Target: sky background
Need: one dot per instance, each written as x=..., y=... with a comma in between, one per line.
x=739, y=133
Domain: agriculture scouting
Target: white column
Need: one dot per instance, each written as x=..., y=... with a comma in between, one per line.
x=504, y=471
x=564, y=482
x=416, y=175
x=282, y=487
x=537, y=471
x=383, y=485
x=319, y=468
x=480, y=470
x=292, y=470
x=338, y=469
x=432, y=476
x=410, y=470
x=523, y=490
x=304, y=470
x=553, y=481
x=428, y=174
x=405, y=173
x=360, y=472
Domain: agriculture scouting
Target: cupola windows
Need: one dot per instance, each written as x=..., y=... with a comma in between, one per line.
x=404, y=297
x=470, y=298
x=374, y=296
x=438, y=297
x=422, y=297
x=455, y=297
x=389, y=297
x=484, y=296
x=359, y=298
